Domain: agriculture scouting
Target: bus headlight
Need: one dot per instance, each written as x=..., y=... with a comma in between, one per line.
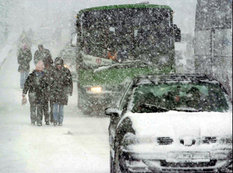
x=96, y=89
x=66, y=66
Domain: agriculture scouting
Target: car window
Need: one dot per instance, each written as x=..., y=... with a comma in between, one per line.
x=183, y=97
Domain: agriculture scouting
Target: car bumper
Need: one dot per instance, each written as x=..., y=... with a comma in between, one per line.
x=157, y=162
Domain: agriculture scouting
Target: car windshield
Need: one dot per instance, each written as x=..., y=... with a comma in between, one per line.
x=180, y=97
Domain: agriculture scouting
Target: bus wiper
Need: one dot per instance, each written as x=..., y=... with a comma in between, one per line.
x=126, y=64
x=105, y=67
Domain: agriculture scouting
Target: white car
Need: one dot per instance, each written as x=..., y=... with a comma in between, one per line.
x=173, y=123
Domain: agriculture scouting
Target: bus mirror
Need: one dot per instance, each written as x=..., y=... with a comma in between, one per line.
x=74, y=39
x=177, y=33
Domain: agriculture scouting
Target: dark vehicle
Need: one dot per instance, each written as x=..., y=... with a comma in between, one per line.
x=171, y=123
x=118, y=34
x=213, y=40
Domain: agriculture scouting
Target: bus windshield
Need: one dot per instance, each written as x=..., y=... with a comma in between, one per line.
x=141, y=32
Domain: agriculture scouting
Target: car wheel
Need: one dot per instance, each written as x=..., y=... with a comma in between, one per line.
x=111, y=163
x=119, y=163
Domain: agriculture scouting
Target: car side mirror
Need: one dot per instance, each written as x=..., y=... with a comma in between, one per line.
x=113, y=112
x=74, y=38
x=177, y=33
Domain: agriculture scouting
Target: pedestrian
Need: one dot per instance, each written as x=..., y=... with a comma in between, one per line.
x=61, y=87
x=24, y=58
x=36, y=86
x=49, y=69
x=42, y=54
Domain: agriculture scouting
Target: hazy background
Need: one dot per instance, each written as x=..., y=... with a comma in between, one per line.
x=51, y=22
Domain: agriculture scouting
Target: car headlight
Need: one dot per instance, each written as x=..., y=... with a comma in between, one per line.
x=130, y=138
x=214, y=139
x=225, y=150
x=225, y=140
x=95, y=89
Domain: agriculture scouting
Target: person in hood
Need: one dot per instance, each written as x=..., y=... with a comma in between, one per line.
x=36, y=86
x=42, y=54
x=61, y=87
x=24, y=58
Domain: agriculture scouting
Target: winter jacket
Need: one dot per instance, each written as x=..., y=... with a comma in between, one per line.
x=37, y=85
x=61, y=86
x=24, y=57
x=48, y=75
x=43, y=55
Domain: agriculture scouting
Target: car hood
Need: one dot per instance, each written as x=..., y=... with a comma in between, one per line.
x=177, y=124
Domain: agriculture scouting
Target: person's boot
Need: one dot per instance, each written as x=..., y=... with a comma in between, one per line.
x=39, y=123
x=60, y=124
x=47, y=122
x=54, y=123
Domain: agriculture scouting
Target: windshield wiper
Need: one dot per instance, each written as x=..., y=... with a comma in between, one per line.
x=125, y=64
x=187, y=109
x=104, y=67
x=149, y=108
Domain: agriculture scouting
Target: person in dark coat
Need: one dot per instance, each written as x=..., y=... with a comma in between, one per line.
x=49, y=69
x=24, y=58
x=37, y=86
x=61, y=87
x=42, y=54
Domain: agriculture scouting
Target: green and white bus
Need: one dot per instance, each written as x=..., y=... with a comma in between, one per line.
x=119, y=42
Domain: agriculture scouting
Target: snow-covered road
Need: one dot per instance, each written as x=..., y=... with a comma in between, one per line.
x=80, y=145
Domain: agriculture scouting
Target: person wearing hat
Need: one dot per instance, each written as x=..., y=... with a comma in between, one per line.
x=42, y=54
x=61, y=87
x=24, y=58
x=36, y=86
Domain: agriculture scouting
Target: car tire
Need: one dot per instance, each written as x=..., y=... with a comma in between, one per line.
x=118, y=168
x=111, y=163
